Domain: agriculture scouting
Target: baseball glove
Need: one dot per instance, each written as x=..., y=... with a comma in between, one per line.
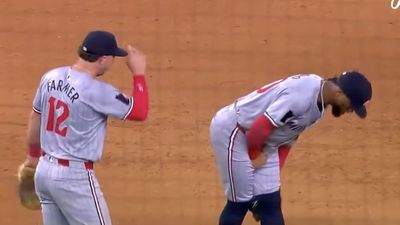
x=26, y=187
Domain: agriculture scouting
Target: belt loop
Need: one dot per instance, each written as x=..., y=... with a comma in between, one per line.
x=63, y=162
x=89, y=165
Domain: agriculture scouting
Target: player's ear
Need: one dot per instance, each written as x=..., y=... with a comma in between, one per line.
x=101, y=59
x=339, y=93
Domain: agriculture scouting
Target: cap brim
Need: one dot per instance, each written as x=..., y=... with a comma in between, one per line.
x=361, y=111
x=120, y=52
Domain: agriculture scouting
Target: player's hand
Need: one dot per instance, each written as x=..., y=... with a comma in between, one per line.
x=31, y=161
x=259, y=161
x=136, y=61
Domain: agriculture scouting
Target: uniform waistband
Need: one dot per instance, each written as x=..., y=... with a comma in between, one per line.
x=89, y=165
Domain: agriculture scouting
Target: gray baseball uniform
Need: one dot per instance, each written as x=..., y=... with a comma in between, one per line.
x=74, y=108
x=290, y=104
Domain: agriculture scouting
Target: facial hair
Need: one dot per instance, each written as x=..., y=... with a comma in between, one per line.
x=336, y=111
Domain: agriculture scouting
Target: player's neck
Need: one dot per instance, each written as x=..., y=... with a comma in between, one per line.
x=327, y=93
x=85, y=67
x=321, y=100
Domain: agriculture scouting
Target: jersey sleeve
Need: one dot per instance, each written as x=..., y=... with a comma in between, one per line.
x=109, y=101
x=285, y=108
x=37, y=101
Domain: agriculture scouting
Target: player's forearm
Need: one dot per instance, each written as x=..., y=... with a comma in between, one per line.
x=33, y=132
x=140, y=99
x=33, y=139
x=257, y=134
x=283, y=152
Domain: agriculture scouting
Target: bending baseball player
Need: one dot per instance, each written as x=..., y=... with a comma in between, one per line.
x=252, y=137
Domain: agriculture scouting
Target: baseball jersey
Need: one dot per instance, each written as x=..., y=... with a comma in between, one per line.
x=290, y=104
x=74, y=108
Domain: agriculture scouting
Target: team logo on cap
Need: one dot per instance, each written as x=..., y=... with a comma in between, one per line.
x=84, y=48
x=395, y=4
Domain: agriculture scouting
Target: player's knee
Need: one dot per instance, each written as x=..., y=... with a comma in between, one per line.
x=233, y=213
x=268, y=209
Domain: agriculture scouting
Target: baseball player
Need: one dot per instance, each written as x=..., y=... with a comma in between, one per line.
x=67, y=128
x=252, y=137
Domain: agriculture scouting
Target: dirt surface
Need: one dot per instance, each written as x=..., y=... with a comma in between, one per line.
x=202, y=55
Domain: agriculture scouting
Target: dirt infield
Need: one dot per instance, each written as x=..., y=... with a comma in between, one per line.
x=202, y=55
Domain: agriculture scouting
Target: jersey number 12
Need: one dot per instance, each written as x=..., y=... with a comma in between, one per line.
x=55, y=105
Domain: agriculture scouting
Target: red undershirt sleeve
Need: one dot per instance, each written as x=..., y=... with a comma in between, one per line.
x=34, y=150
x=283, y=152
x=140, y=99
x=257, y=134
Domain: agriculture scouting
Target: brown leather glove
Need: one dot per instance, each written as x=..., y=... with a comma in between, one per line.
x=26, y=187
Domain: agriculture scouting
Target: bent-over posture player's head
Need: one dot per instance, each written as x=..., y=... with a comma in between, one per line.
x=347, y=93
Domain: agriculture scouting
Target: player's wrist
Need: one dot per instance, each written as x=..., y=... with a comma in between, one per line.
x=31, y=162
x=254, y=153
x=259, y=161
x=138, y=79
x=34, y=150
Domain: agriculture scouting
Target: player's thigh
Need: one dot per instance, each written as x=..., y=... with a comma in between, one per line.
x=238, y=180
x=234, y=165
x=51, y=215
x=42, y=179
x=82, y=201
x=267, y=178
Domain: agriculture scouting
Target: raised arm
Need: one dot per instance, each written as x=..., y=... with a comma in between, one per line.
x=136, y=62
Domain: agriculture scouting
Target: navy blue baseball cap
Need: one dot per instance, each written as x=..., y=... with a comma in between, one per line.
x=102, y=43
x=358, y=89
